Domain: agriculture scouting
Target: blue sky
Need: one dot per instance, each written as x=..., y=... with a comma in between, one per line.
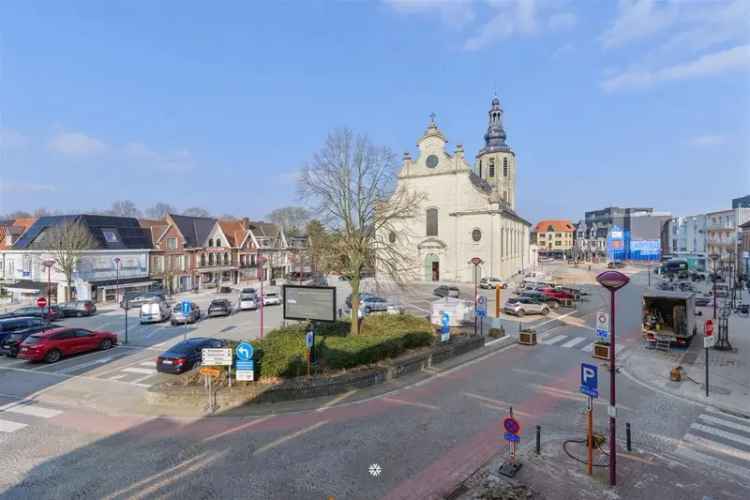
x=218, y=105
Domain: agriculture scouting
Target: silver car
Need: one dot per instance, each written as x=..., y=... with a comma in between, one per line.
x=520, y=306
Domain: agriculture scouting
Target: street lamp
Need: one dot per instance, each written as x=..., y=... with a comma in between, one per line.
x=48, y=263
x=261, y=262
x=612, y=281
x=476, y=261
x=715, y=259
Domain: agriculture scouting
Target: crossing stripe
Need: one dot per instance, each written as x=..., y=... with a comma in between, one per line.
x=720, y=433
x=573, y=342
x=725, y=423
x=554, y=340
x=34, y=411
x=8, y=426
x=144, y=371
x=726, y=416
x=117, y=377
x=618, y=348
x=149, y=363
x=589, y=347
x=714, y=463
x=692, y=440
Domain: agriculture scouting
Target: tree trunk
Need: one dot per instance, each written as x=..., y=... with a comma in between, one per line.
x=68, y=289
x=355, y=306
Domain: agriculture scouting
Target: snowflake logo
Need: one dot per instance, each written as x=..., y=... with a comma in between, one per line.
x=375, y=470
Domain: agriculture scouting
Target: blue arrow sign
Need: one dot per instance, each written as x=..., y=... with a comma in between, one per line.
x=244, y=352
x=445, y=321
x=512, y=437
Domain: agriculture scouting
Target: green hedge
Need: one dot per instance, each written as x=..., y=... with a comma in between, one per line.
x=282, y=352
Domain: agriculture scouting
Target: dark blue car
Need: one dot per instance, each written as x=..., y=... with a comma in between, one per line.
x=15, y=329
x=184, y=356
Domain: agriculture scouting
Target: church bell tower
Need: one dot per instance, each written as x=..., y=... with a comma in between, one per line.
x=496, y=161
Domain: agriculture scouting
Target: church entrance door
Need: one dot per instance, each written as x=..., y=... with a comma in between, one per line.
x=436, y=271
x=432, y=267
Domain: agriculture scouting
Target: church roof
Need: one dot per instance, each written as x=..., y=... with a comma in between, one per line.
x=433, y=130
x=555, y=226
x=494, y=139
x=480, y=183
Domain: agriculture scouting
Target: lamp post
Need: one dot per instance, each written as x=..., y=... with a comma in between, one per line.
x=715, y=259
x=612, y=281
x=261, y=263
x=48, y=263
x=476, y=261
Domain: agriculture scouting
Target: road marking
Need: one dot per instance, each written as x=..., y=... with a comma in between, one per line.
x=149, y=363
x=725, y=423
x=556, y=318
x=722, y=434
x=692, y=440
x=86, y=365
x=725, y=415
x=139, y=370
x=712, y=462
x=237, y=428
x=554, y=340
x=411, y=403
x=588, y=348
x=291, y=436
x=504, y=409
x=637, y=459
x=8, y=426
x=116, y=377
x=532, y=372
x=34, y=411
x=141, y=379
x=335, y=400
x=573, y=342
x=619, y=348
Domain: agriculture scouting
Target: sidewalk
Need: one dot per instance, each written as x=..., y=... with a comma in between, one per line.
x=729, y=371
x=641, y=474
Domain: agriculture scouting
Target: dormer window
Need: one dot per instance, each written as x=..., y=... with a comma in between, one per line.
x=110, y=236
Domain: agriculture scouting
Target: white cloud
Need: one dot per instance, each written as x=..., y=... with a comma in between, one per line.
x=639, y=19
x=178, y=161
x=23, y=187
x=76, y=144
x=12, y=139
x=708, y=140
x=707, y=65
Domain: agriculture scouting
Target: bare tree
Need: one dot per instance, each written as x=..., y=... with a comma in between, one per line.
x=125, y=208
x=18, y=214
x=41, y=212
x=291, y=219
x=351, y=182
x=67, y=242
x=196, y=212
x=160, y=210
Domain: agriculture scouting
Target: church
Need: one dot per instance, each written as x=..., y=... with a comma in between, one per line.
x=465, y=212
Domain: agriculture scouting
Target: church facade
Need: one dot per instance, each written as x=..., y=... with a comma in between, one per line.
x=466, y=211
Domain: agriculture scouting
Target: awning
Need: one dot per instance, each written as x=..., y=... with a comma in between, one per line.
x=217, y=269
x=28, y=286
x=123, y=282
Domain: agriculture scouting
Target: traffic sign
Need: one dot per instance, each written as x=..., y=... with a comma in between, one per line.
x=589, y=380
x=310, y=339
x=216, y=357
x=476, y=261
x=509, y=436
x=210, y=371
x=481, y=306
x=511, y=425
x=445, y=327
x=244, y=352
x=602, y=325
x=41, y=302
x=709, y=342
x=709, y=328
x=186, y=307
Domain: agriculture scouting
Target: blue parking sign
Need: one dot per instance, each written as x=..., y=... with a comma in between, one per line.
x=589, y=380
x=186, y=307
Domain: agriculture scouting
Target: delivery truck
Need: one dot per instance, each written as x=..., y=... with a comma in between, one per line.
x=668, y=315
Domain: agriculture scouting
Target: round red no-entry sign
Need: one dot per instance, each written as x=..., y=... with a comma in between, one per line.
x=41, y=302
x=511, y=425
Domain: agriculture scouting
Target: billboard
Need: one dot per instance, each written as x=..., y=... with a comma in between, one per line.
x=303, y=303
x=645, y=250
x=617, y=243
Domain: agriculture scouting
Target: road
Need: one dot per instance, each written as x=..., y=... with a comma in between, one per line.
x=75, y=429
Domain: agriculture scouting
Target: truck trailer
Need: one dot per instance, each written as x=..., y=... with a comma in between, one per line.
x=668, y=315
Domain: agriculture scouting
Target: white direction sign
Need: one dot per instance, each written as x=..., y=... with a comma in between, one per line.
x=709, y=342
x=602, y=325
x=216, y=357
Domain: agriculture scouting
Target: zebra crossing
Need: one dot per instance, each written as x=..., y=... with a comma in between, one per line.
x=719, y=441
x=572, y=342
x=15, y=416
x=135, y=374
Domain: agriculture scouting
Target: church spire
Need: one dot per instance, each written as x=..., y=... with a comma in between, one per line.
x=494, y=139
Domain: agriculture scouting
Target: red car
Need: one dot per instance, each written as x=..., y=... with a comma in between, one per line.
x=558, y=294
x=53, y=345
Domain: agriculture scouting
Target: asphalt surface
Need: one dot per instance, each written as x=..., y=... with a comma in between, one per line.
x=76, y=430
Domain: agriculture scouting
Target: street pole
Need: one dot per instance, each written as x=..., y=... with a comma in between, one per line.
x=497, y=301
x=612, y=420
x=649, y=275
x=475, y=298
x=49, y=292
x=262, y=265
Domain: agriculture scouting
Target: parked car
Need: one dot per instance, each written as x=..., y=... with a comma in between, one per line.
x=224, y=289
x=13, y=331
x=219, y=307
x=557, y=294
x=52, y=345
x=248, y=302
x=155, y=311
x=78, y=308
x=362, y=296
x=50, y=313
x=492, y=283
x=271, y=299
x=249, y=292
x=577, y=293
x=179, y=317
x=446, y=291
x=185, y=355
x=702, y=301
x=615, y=264
x=371, y=304
x=520, y=306
x=133, y=300
x=543, y=298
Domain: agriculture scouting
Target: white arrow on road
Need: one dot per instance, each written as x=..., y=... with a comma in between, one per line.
x=85, y=365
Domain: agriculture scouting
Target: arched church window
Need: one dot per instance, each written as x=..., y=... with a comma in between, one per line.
x=432, y=222
x=392, y=237
x=505, y=167
x=492, y=167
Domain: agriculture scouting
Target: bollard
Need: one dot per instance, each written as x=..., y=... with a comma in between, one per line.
x=538, y=439
x=627, y=437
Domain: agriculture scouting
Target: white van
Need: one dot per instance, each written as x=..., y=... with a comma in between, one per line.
x=155, y=312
